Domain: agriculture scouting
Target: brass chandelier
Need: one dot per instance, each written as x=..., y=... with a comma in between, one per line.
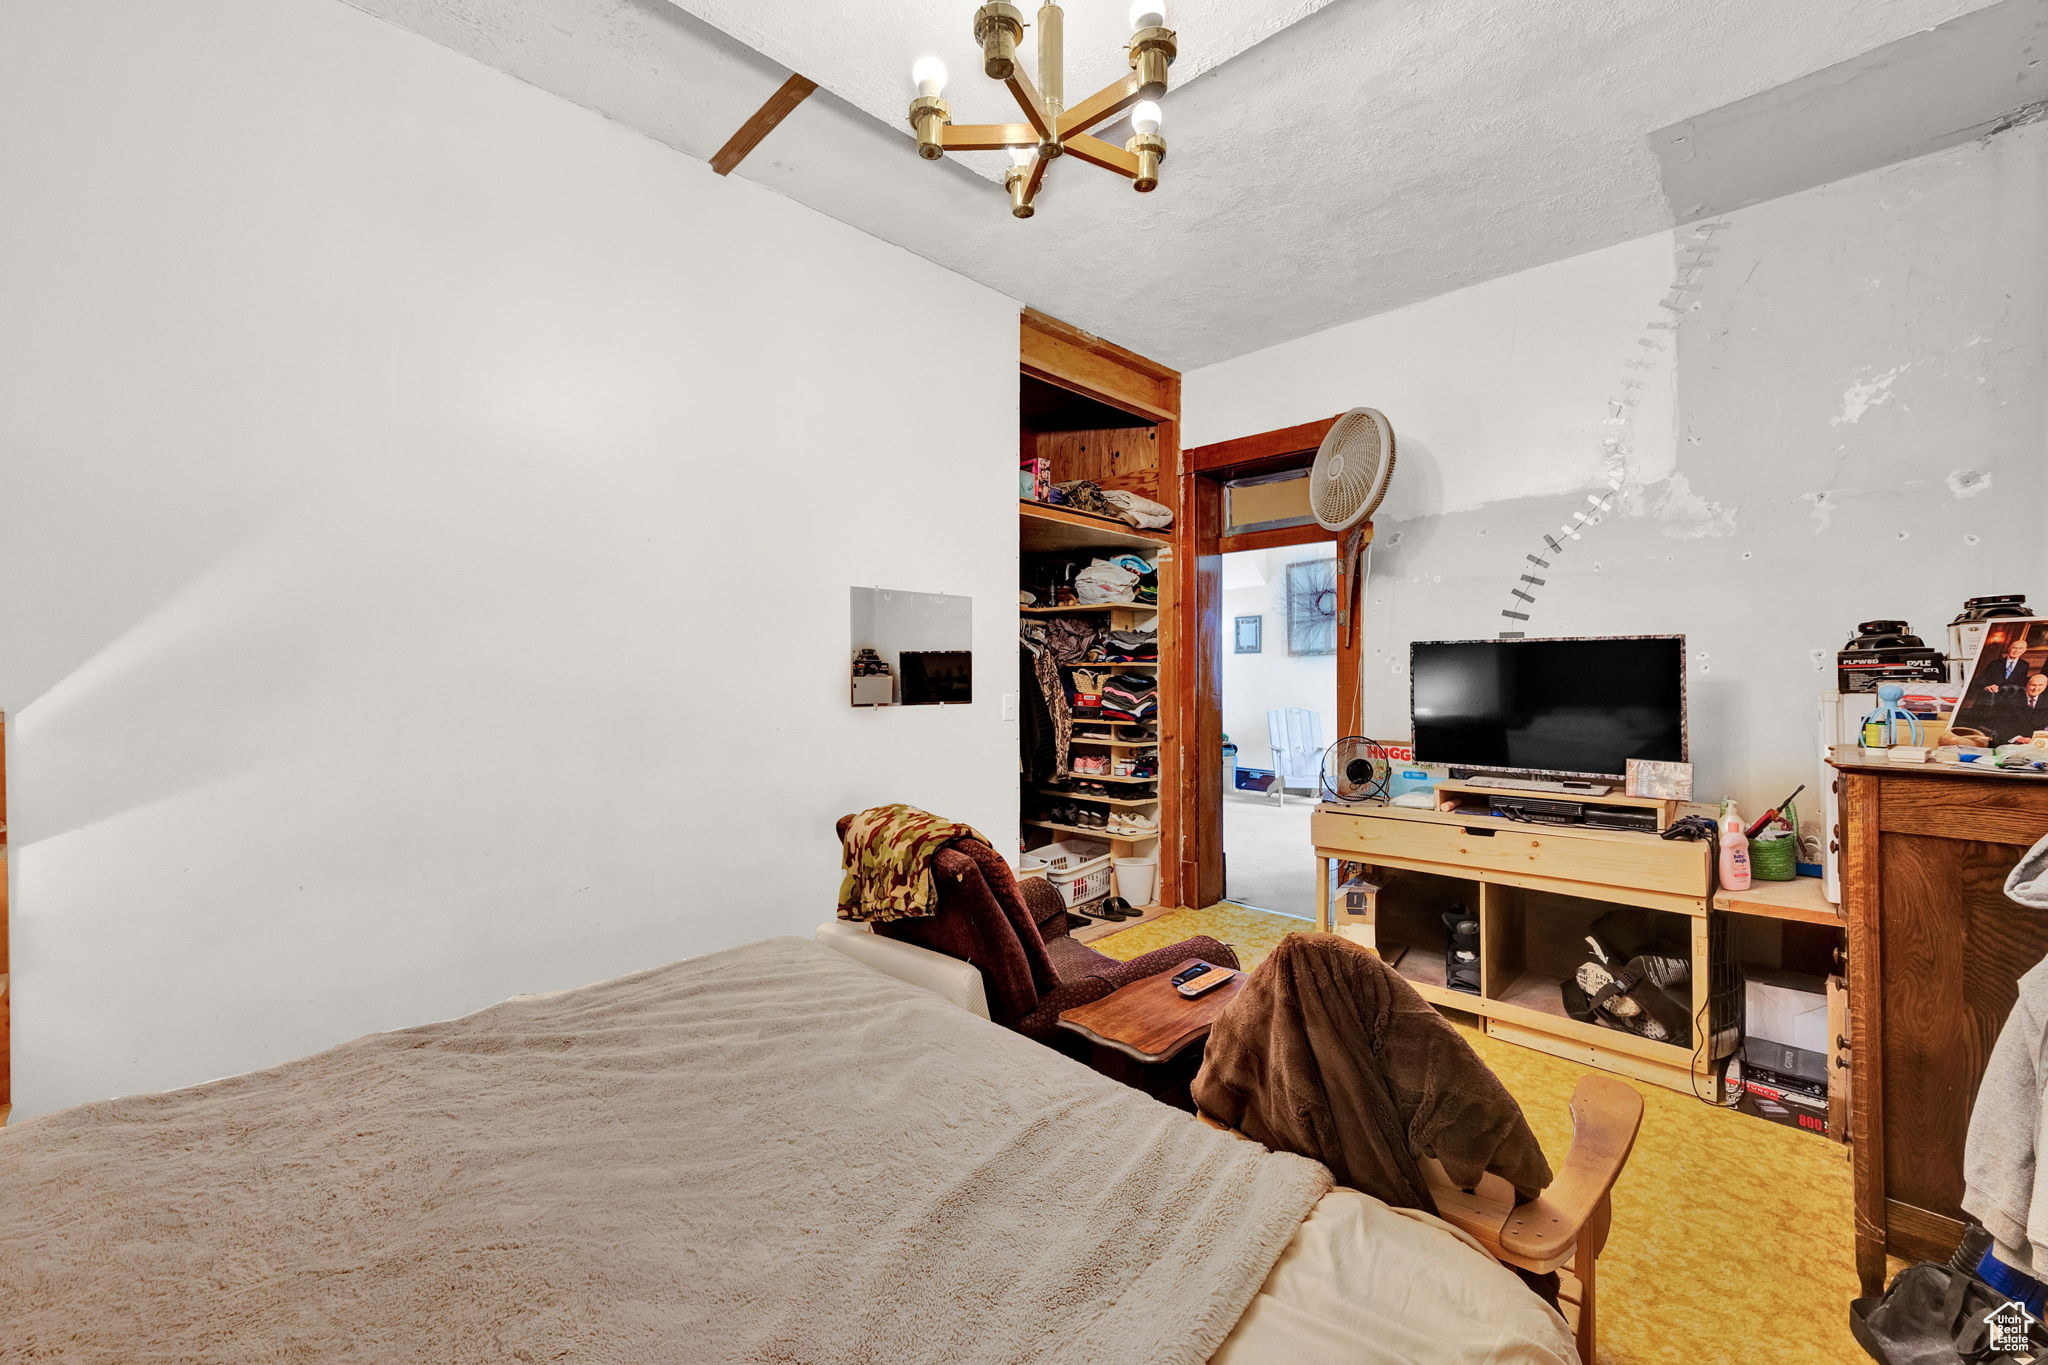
x=1051, y=129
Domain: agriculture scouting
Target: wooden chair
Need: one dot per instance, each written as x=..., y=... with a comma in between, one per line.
x=1564, y=1228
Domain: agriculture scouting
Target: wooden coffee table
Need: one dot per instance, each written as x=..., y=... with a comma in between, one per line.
x=1148, y=1020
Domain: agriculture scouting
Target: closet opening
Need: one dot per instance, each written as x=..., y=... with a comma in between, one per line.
x=1101, y=753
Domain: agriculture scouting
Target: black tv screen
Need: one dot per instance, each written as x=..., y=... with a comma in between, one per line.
x=1581, y=708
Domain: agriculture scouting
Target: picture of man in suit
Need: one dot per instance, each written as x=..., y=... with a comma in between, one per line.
x=2006, y=675
x=1995, y=705
x=2026, y=712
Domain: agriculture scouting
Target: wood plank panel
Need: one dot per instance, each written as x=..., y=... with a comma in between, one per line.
x=1279, y=538
x=778, y=107
x=1636, y=862
x=1917, y=1235
x=1198, y=693
x=1953, y=953
x=1261, y=453
x=1943, y=808
x=1086, y=364
x=1859, y=797
x=1124, y=457
x=1177, y=752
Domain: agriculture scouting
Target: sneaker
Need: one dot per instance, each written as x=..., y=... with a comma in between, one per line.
x=1134, y=823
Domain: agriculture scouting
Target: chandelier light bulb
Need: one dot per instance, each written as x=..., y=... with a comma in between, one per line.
x=930, y=75
x=1145, y=117
x=1148, y=14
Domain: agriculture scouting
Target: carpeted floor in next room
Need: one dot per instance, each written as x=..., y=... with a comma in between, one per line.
x=1731, y=1238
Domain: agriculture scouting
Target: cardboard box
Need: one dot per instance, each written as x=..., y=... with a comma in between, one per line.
x=1776, y=1104
x=1034, y=480
x=1358, y=899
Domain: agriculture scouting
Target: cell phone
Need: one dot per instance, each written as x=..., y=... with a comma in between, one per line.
x=1201, y=978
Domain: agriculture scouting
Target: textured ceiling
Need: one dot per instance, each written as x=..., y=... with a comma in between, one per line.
x=863, y=53
x=1374, y=154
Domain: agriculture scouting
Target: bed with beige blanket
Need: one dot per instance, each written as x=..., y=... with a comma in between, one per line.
x=769, y=1154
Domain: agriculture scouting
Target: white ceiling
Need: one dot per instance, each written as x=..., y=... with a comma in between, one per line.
x=1370, y=155
x=863, y=53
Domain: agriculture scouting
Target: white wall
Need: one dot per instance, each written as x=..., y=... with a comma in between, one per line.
x=429, y=513
x=1254, y=684
x=1849, y=420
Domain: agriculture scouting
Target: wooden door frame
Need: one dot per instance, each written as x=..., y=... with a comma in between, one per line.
x=1198, y=611
x=1061, y=354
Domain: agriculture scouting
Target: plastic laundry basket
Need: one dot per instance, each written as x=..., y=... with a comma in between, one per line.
x=1137, y=879
x=1078, y=869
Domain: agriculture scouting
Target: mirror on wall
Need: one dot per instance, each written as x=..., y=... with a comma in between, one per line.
x=912, y=648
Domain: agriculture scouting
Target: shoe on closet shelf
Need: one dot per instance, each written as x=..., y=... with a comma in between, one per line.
x=1134, y=825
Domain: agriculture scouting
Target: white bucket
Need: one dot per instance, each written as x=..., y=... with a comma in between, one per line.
x=1137, y=879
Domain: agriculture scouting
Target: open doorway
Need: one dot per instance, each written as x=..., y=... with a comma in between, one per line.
x=1279, y=704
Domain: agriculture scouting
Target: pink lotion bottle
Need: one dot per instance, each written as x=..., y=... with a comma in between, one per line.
x=1734, y=850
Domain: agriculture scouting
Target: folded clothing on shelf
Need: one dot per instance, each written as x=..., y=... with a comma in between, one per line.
x=1131, y=646
x=1129, y=697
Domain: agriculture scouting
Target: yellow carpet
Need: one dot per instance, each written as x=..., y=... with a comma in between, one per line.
x=1732, y=1238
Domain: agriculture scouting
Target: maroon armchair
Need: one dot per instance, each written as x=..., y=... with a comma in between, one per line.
x=1016, y=936
x=1084, y=974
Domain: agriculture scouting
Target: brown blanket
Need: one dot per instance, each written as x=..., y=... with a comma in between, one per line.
x=1329, y=1053
x=769, y=1155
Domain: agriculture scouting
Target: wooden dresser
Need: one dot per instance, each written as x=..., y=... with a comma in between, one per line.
x=1935, y=956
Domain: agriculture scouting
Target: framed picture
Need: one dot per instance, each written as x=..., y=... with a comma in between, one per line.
x=1660, y=780
x=1251, y=632
x=1312, y=607
x=2005, y=697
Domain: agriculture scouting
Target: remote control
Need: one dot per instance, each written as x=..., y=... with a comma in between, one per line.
x=1206, y=978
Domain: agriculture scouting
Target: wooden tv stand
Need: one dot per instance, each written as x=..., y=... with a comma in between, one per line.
x=1534, y=890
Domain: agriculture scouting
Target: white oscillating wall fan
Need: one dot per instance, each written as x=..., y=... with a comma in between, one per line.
x=1345, y=486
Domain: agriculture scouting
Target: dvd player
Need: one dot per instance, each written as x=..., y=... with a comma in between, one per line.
x=1542, y=810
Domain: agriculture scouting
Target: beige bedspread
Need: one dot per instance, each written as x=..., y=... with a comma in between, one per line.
x=1366, y=1284
x=768, y=1154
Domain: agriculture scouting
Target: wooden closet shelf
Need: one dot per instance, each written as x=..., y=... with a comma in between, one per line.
x=1099, y=800
x=1046, y=528
x=1119, y=744
x=1107, y=836
x=1095, y=606
x=1800, y=899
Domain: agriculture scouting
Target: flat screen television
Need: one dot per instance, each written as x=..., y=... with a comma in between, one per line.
x=1549, y=708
